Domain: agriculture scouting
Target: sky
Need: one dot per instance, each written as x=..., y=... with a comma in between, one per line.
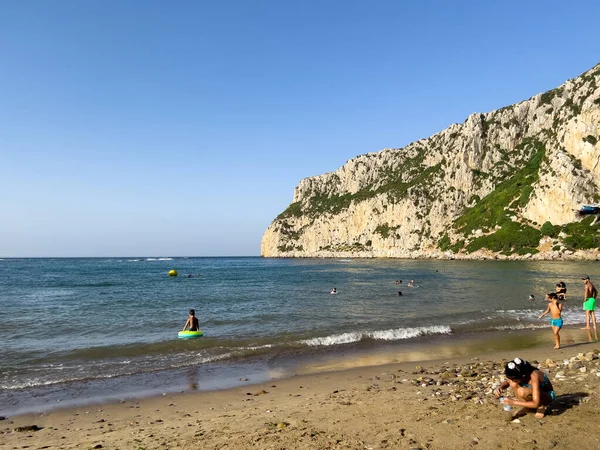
x=159, y=128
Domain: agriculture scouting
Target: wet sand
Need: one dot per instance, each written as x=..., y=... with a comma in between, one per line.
x=438, y=404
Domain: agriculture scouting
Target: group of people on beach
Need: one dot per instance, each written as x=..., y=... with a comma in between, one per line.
x=531, y=387
x=555, y=306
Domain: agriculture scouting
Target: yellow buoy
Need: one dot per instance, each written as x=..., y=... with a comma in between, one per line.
x=173, y=273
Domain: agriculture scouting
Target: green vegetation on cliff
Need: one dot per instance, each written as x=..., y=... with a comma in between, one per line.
x=385, y=230
x=391, y=184
x=581, y=235
x=513, y=237
x=495, y=209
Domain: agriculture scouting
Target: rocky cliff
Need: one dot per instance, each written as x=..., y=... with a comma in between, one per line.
x=504, y=184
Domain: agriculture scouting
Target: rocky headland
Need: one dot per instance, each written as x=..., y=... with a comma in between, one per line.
x=502, y=185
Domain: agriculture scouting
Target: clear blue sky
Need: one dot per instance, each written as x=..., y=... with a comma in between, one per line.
x=181, y=128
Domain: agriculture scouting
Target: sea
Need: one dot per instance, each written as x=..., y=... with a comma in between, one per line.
x=75, y=331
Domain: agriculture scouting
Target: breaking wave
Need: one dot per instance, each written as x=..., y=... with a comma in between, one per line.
x=384, y=335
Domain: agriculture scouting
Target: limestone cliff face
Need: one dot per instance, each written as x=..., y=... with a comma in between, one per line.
x=481, y=188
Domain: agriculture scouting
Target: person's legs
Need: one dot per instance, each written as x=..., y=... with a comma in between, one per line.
x=545, y=400
x=556, y=330
x=587, y=320
x=523, y=394
x=593, y=314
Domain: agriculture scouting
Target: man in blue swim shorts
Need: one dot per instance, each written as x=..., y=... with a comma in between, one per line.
x=555, y=310
x=589, y=302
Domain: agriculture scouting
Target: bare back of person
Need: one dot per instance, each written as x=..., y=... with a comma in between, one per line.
x=588, y=290
x=555, y=310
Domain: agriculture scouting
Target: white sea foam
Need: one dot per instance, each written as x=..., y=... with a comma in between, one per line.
x=471, y=321
x=150, y=259
x=384, y=335
x=408, y=333
x=257, y=347
x=570, y=315
x=520, y=314
x=205, y=359
x=334, y=339
x=165, y=259
x=522, y=326
x=35, y=382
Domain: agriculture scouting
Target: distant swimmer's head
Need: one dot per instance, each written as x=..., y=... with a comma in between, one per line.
x=561, y=284
x=531, y=297
x=517, y=369
x=192, y=312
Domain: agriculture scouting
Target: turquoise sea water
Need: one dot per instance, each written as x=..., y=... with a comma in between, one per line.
x=82, y=329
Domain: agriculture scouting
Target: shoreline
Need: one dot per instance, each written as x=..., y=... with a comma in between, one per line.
x=419, y=255
x=217, y=376
x=397, y=405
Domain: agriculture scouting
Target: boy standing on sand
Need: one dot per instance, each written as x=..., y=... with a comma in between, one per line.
x=589, y=302
x=555, y=309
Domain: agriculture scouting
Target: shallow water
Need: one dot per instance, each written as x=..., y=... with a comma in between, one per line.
x=83, y=328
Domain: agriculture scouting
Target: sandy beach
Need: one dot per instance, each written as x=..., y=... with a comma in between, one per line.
x=443, y=404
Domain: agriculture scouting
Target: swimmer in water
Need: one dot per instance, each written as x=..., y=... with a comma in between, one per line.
x=333, y=291
x=531, y=297
x=192, y=322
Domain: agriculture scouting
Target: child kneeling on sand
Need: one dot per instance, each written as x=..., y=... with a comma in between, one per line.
x=530, y=385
